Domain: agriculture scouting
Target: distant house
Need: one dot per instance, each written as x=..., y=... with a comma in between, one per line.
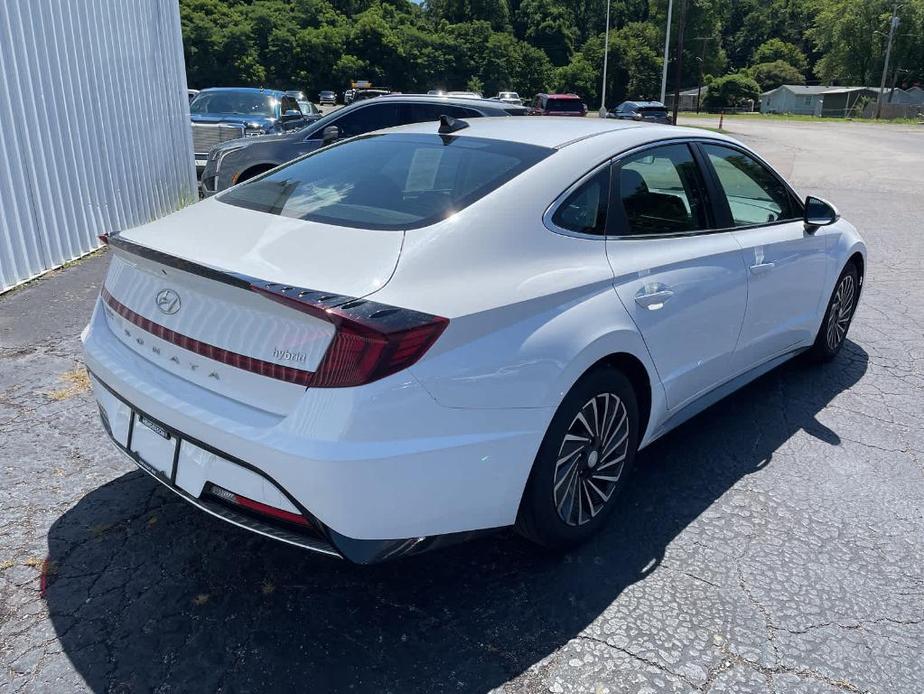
x=793, y=98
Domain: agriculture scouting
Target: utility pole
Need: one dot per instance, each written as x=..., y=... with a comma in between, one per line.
x=893, y=24
x=702, y=62
x=606, y=55
x=678, y=69
x=667, y=50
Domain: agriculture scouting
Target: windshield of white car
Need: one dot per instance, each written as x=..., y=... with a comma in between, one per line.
x=240, y=103
x=393, y=181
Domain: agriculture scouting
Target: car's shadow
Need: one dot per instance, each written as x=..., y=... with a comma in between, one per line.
x=147, y=592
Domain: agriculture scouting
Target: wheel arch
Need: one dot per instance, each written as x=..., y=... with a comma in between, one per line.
x=254, y=170
x=857, y=259
x=634, y=369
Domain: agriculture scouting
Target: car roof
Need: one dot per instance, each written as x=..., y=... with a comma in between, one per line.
x=254, y=90
x=644, y=104
x=448, y=99
x=561, y=96
x=553, y=131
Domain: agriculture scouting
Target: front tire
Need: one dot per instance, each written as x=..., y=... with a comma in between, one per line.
x=583, y=462
x=833, y=331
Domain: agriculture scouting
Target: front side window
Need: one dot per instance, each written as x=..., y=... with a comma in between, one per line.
x=661, y=192
x=394, y=181
x=754, y=194
x=584, y=211
x=366, y=119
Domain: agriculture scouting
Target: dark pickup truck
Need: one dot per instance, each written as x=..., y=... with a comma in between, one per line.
x=229, y=113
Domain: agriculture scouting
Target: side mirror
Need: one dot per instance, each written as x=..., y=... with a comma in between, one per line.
x=330, y=134
x=819, y=213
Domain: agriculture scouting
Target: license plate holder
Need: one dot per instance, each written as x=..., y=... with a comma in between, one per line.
x=156, y=427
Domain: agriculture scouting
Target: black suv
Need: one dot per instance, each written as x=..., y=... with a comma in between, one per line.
x=648, y=111
x=239, y=160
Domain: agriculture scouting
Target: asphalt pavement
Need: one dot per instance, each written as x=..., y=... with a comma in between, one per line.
x=775, y=543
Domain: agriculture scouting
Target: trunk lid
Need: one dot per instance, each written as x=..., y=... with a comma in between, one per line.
x=179, y=294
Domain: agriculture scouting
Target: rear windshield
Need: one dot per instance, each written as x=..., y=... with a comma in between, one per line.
x=392, y=181
x=563, y=105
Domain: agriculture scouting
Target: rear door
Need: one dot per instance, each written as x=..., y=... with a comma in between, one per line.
x=684, y=285
x=786, y=264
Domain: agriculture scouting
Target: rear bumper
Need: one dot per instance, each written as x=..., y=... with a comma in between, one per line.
x=316, y=537
x=380, y=471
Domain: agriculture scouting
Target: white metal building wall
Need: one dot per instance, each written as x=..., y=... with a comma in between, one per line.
x=94, y=126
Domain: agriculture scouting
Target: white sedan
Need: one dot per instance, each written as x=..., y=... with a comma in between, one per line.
x=426, y=332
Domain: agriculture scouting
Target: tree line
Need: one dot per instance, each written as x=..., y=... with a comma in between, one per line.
x=740, y=47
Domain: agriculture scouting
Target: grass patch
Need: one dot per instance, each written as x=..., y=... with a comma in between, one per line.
x=77, y=381
x=798, y=117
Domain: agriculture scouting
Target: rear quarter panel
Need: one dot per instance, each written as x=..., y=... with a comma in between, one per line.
x=530, y=310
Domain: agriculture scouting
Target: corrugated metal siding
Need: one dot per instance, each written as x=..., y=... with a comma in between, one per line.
x=94, y=126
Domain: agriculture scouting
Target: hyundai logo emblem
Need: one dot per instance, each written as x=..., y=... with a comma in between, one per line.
x=168, y=301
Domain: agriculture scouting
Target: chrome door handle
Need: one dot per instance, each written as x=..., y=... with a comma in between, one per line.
x=655, y=300
x=761, y=268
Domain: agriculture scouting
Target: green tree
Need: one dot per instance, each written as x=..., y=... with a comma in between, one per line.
x=775, y=50
x=548, y=25
x=732, y=90
x=772, y=75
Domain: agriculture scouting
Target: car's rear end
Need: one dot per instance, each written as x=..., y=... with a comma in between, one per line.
x=652, y=113
x=564, y=105
x=238, y=355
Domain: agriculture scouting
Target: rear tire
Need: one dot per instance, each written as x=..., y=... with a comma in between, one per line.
x=841, y=306
x=583, y=463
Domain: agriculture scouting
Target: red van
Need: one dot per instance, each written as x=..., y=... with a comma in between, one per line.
x=557, y=105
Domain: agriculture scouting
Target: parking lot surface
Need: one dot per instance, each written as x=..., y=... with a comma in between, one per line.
x=774, y=543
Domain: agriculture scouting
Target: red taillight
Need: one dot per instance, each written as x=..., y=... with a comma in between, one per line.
x=372, y=340
x=359, y=354
x=257, y=506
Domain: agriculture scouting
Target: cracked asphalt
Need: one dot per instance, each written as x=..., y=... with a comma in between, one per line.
x=773, y=544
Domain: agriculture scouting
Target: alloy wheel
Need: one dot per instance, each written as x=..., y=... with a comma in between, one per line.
x=841, y=312
x=591, y=459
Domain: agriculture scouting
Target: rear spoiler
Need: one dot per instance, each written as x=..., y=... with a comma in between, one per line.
x=372, y=340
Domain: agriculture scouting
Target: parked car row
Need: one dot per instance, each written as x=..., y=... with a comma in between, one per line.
x=220, y=114
x=241, y=159
x=226, y=121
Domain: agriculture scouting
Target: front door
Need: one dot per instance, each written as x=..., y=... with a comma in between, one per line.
x=684, y=285
x=786, y=264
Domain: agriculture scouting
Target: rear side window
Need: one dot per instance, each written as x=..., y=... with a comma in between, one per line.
x=419, y=113
x=395, y=181
x=584, y=211
x=754, y=194
x=661, y=192
x=562, y=105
